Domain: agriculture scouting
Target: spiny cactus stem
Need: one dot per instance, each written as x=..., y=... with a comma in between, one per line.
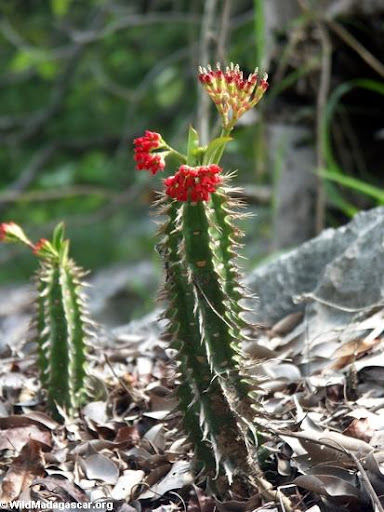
x=212, y=298
x=76, y=321
x=62, y=331
x=198, y=418
x=59, y=353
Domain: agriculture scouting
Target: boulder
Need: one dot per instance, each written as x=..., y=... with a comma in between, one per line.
x=343, y=267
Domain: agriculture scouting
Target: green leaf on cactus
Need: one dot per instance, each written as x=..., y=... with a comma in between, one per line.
x=58, y=237
x=215, y=150
x=193, y=147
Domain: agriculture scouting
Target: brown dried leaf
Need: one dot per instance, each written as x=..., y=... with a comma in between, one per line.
x=351, y=350
x=23, y=470
x=360, y=428
x=287, y=324
x=59, y=487
x=42, y=419
x=16, y=438
x=178, y=477
x=127, y=436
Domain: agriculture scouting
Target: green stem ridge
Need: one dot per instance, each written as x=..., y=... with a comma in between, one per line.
x=62, y=333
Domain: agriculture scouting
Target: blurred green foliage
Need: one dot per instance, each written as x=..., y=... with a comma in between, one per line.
x=81, y=79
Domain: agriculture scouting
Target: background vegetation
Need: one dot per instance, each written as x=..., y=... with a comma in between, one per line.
x=82, y=78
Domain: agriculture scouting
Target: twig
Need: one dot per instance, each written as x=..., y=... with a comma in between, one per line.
x=311, y=296
x=29, y=173
x=371, y=491
x=206, y=37
x=133, y=20
x=351, y=41
x=224, y=31
x=321, y=102
x=36, y=122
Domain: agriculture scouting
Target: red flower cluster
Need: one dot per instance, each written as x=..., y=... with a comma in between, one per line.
x=193, y=183
x=144, y=157
x=41, y=246
x=230, y=91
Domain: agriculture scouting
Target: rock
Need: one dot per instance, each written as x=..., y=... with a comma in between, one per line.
x=119, y=293
x=343, y=266
x=332, y=278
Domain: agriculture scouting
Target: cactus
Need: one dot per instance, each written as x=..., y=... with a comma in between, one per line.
x=199, y=243
x=61, y=326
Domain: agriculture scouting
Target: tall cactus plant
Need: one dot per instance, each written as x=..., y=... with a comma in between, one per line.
x=61, y=325
x=199, y=242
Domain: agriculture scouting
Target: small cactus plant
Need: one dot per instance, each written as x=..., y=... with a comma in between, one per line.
x=61, y=325
x=199, y=242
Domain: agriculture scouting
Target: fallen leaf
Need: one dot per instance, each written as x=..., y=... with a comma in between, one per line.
x=178, y=477
x=127, y=436
x=99, y=467
x=16, y=438
x=329, y=486
x=59, y=487
x=350, y=351
x=23, y=470
x=16, y=431
x=286, y=324
x=360, y=428
x=127, y=483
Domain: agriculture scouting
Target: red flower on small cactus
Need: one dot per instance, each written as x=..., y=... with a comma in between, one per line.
x=12, y=232
x=193, y=183
x=40, y=246
x=232, y=94
x=145, y=157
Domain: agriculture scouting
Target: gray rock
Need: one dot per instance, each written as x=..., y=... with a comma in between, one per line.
x=343, y=267
x=332, y=277
x=120, y=293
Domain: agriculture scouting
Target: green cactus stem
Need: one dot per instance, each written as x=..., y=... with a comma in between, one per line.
x=200, y=242
x=208, y=418
x=61, y=325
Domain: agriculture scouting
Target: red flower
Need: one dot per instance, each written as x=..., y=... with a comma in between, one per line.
x=11, y=232
x=193, y=183
x=40, y=246
x=232, y=94
x=144, y=156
